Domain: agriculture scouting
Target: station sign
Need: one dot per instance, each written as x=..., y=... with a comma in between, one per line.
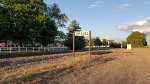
x=82, y=33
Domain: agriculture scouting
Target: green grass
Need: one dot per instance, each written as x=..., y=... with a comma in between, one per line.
x=147, y=47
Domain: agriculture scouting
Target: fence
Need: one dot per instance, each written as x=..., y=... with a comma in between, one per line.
x=30, y=49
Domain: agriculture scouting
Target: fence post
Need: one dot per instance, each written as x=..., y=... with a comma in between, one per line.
x=26, y=49
x=44, y=49
x=33, y=49
x=19, y=48
x=48, y=48
x=10, y=49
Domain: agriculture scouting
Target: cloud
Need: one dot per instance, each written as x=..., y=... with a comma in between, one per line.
x=147, y=2
x=96, y=4
x=123, y=6
x=141, y=26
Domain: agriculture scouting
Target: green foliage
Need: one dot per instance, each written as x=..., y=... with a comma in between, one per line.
x=86, y=41
x=104, y=42
x=124, y=44
x=137, y=39
x=28, y=21
x=115, y=45
x=54, y=14
x=97, y=42
x=74, y=26
x=61, y=35
x=147, y=47
x=79, y=41
x=92, y=41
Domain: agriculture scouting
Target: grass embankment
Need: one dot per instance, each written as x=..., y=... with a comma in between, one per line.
x=24, y=54
x=30, y=74
x=37, y=53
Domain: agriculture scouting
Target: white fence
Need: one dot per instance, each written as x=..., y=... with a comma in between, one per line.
x=30, y=49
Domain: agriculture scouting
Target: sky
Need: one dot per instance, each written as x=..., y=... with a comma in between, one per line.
x=111, y=19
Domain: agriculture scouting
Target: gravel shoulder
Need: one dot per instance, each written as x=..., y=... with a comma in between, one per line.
x=128, y=67
x=115, y=66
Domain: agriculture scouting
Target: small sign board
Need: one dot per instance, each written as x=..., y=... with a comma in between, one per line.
x=129, y=47
x=80, y=33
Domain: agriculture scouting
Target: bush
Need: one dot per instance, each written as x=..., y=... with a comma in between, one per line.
x=79, y=43
x=115, y=45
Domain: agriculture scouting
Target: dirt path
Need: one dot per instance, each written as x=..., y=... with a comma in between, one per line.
x=129, y=68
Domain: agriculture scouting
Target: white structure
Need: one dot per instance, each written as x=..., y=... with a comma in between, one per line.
x=129, y=47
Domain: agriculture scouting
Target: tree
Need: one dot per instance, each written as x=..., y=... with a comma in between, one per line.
x=55, y=19
x=79, y=41
x=137, y=39
x=115, y=45
x=61, y=34
x=104, y=42
x=86, y=42
x=124, y=44
x=20, y=18
x=97, y=42
x=29, y=21
x=54, y=13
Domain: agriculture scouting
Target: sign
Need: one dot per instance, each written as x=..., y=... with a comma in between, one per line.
x=129, y=47
x=80, y=33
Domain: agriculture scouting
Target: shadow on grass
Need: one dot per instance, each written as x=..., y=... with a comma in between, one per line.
x=31, y=77
x=27, y=54
x=127, y=52
x=54, y=75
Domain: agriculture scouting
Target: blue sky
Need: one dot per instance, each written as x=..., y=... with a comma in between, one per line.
x=114, y=19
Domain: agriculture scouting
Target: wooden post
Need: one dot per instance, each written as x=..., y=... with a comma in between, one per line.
x=90, y=43
x=73, y=43
x=0, y=50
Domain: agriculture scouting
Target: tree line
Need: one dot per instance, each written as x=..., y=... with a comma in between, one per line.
x=33, y=22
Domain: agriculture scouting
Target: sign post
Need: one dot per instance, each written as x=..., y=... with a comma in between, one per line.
x=73, y=43
x=90, y=43
x=80, y=33
x=0, y=50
